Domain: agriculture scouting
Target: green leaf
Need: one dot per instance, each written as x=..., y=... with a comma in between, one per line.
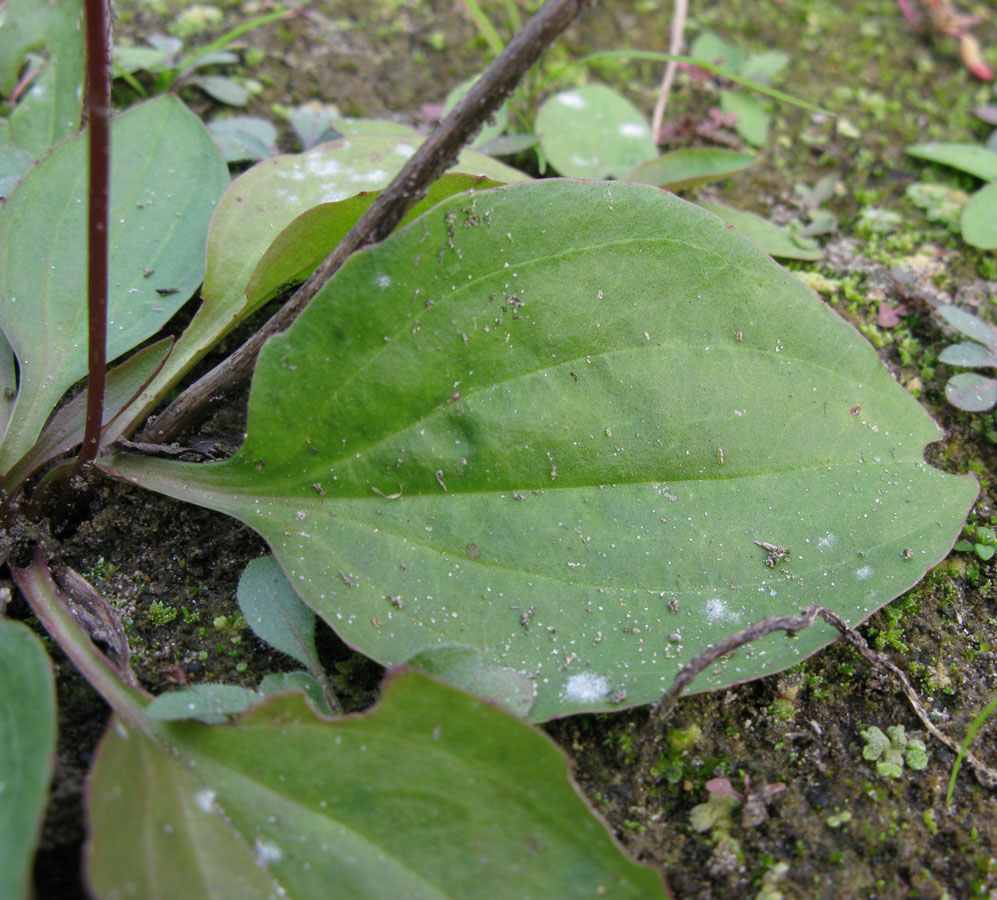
x=306, y=241
x=431, y=794
x=714, y=49
x=64, y=431
x=275, y=613
x=208, y=702
x=970, y=325
x=14, y=164
x=765, y=66
x=979, y=218
x=972, y=158
x=750, y=119
x=50, y=108
x=593, y=132
x=971, y=355
x=683, y=169
x=166, y=178
x=27, y=752
x=259, y=206
x=221, y=88
x=302, y=682
x=971, y=392
x=775, y=240
x=127, y=60
x=546, y=433
x=244, y=138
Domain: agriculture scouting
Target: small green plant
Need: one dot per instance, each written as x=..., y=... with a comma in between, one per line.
x=978, y=217
x=173, y=69
x=969, y=390
x=891, y=750
x=978, y=539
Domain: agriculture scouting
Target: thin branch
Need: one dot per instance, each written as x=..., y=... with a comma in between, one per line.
x=428, y=163
x=99, y=128
x=674, y=48
x=791, y=625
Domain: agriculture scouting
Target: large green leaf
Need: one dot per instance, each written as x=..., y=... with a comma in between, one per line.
x=551, y=428
x=50, y=108
x=972, y=158
x=593, y=132
x=281, y=195
x=432, y=794
x=27, y=751
x=166, y=178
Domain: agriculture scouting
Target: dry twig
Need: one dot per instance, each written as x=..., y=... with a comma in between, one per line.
x=986, y=775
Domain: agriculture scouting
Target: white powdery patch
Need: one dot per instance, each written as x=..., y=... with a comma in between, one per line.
x=405, y=150
x=323, y=168
x=863, y=573
x=586, y=687
x=383, y=281
x=267, y=852
x=718, y=611
x=827, y=542
x=633, y=129
x=205, y=801
x=572, y=99
x=330, y=195
x=374, y=176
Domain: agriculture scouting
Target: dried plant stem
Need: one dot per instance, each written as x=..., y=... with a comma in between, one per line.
x=986, y=775
x=99, y=129
x=679, y=12
x=430, y=161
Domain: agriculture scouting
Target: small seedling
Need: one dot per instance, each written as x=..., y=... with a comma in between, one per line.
x=891, y=750
x=968, y=390
x=980, y=539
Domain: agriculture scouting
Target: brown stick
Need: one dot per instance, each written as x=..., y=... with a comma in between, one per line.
x=427, y=164
x=791, y=625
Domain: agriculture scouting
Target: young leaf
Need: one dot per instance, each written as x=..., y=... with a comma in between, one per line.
x=275, y=613
x=166, y=179
x=208, y=702
x=244, y=138
x=49, y=110
x=264, y=201
x=970, y=325
x=683, y=169
x=969, y=354
x=750, y=119
x=430, y=794
x=297, y=681
x=773, y=239
x=564, y=450
x=972, y=158
x=593, y=132
x=971, y=392
x=979, y=218
x=27, y=752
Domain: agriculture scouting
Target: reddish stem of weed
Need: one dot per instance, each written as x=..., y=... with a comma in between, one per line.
x=98, y=127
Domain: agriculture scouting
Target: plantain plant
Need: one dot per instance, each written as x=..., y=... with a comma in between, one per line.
x=540, y=445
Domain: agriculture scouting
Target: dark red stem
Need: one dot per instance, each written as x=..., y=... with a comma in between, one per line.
x=99, y=128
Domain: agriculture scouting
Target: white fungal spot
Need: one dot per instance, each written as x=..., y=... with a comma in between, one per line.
x=717, y=610
x=827, y=542
x=267, y=852
x=572, y=99
x=863, y=573
x=633, y=129
x=383, y=281
x=205, y=801
x=405, y=150
x=322, y=168
x=586, y=687
x=374, y=176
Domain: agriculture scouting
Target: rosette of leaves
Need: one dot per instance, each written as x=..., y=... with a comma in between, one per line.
x=891, y=750
x=970, y=390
